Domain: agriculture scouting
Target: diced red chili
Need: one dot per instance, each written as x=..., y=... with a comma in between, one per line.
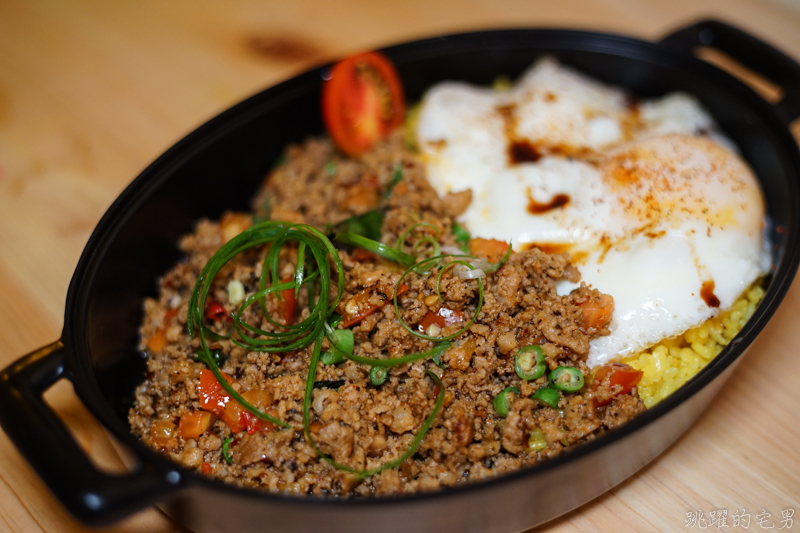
x=215, y=311
x=443, y=317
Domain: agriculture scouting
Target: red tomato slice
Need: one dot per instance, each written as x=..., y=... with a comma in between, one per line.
x=621, y=379
x=362, y=102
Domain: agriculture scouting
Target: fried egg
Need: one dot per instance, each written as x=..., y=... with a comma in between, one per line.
x=650, y=199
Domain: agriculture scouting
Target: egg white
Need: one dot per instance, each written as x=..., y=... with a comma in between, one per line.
x=658, y=201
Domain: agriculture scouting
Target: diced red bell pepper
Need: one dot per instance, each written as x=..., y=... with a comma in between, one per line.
x=287, y=305
x=215, y=399
x=159, y=339
x=442, y=318
x=364, y=303
x=491, y=249
x=615, y=378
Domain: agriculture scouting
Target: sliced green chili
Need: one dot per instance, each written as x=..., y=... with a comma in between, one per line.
x=536, y=441
x=378, y=375
x=226, y=450
x=529, y=362
x=547, y=396
x=502, y=403
x=566, y=378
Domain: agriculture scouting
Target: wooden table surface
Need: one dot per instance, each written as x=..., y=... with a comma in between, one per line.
x=91, y=91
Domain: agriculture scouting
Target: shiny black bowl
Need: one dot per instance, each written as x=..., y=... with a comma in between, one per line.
x=220, y=165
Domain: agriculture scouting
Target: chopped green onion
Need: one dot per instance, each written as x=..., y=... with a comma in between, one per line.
x=502, y=403
x=536, y=441
x=387, y=252
x=396, y=177
x=367, y=225
x=334, y=320
x=462, y=237
x=547, y=396
x=330, y=168
x=378, y=375
x=438, y=351
x=332, y=357
x=343, y=342
x=226, y=450
x=566, y=378
x=529, y=362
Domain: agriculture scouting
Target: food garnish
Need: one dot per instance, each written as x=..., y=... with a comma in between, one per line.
x=502, y=402
x=529, y=362
x=362, y=102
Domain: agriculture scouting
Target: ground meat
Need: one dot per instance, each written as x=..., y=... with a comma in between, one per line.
x=352, y=421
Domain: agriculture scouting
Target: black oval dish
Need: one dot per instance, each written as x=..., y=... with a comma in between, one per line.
x=220, y=165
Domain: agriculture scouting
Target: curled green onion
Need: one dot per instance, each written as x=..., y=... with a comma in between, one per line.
x=401, y=240
x=529, y=362
x=438, y=293
x=567, y=379
x=387, y=252
x=378, y=375
x=502, y=403
x=321, y=253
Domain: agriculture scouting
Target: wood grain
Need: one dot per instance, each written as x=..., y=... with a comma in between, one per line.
x=91, y=91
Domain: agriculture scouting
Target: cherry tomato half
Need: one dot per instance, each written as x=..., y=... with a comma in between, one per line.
x=362, y=102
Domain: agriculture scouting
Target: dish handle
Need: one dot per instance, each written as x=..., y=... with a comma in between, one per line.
x=751, y=52
x=92, y=496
